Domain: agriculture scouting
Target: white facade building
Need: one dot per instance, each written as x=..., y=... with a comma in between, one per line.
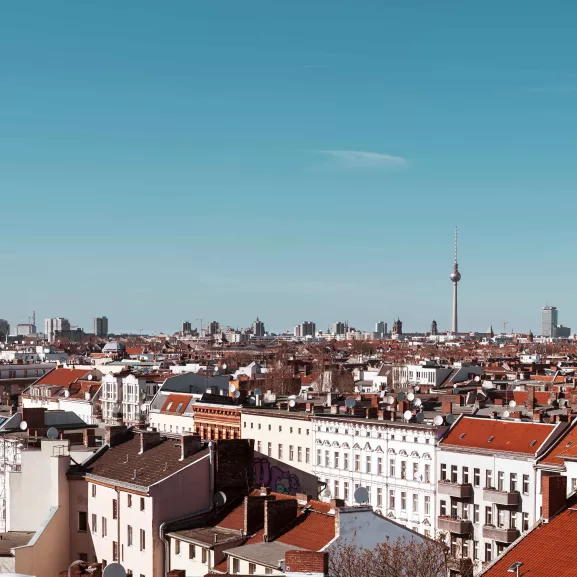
x=395, y=462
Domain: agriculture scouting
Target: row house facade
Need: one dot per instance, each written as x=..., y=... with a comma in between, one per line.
x=489, y=483
x=395, y=462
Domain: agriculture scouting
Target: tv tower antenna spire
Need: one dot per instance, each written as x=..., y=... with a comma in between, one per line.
x=455, y=278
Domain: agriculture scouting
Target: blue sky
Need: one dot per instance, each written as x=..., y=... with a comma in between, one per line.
x=163, y=161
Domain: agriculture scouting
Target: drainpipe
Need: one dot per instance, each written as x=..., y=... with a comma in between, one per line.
x=119, y=552
x=163, y=526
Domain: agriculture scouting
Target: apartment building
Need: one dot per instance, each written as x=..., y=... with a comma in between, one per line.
x=430, y=374
x=489, y=488
x=394, y=461
x=286, y=436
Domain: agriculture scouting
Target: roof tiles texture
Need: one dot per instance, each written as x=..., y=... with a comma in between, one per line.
x=565, y=447
x=62, y=377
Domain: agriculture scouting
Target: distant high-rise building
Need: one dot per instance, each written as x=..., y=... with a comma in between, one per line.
x=213, y=328
x=562, y=332
x=258, y=328
x=24, y=330
x=381, y=328
x=55, y=324
x=100, y=326
x=4, y=328
x=434, y=329
x=305, y=329
x=339, y=328
x=549, y=321
x=398, y=327
x=186, y=327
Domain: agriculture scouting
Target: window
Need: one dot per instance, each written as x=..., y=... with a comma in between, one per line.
x=114, y=509
x=368, y=463
x=252, y=425
x=129, y=539
x=488, y=515
x=258, y=425
x=300, y=454
x=475, y=513
x=267, y=571
x=203, y=555
x=251, y=568
x=488, y=552
x=307, y=455
x=280, y=428
x=291, y=430
x=488, y=479
x=443, y=472
x=403, y=500
x=454, y=510
x=573, y=484
x=427, y=505
x=114, y=550
x=142, y=503
x=415, y=471
x=500, y=518
x=129, y=500
x=525, y=521
x=379, y=466
x=453, y=473
x=475, y=550
x=291, y=453
x=269, y=449
x=465, y=549
x=379, y=497
x=465, y=511
x=391, y=499
x=346, y=491
x=443, y=508
x=259, y=446
x=191, y=551
x=319, y=457
x=82, y=521
x=465, y=475
x=403, y=469
x=476, y=477
x=415, y=503
x=427, y=473
x=327, y=459
x=103, y=527
x=336, y=459
x=500, y=481
x=280, y=451
x=525, y=484
x=93, y=490
x=235, y=565
x=357, y=462
x=392, y=468
x=142, y=540
x=513, y=520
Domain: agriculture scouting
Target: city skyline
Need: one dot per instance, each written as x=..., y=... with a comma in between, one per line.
x=314, y=179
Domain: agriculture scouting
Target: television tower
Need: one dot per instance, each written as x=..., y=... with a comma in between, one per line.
x=455, y=278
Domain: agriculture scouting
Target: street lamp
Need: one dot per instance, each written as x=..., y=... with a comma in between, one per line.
x=515, y=568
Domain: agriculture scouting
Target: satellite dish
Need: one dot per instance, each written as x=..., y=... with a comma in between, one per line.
x=89, y=377
x=292, y=403
x=401, y=397
x=417, y=389
x=143, y=408
x=87, y=396
x=411, y=397
x=231, y=388
x=390, y=399
x=407, y=415
x=361, y=495
x=438, y=420
x=251, y=401
x=506, y=414
x=350, y=403
x=52, y=433
x=114, y=570
x=418, y=402
x=219, y=499
x=326, y=494
x=450, y=418
x=23, y=426
x=236, y=394
x=477, y=378
x=512, y=404
x=420, y=417
x=257, y=392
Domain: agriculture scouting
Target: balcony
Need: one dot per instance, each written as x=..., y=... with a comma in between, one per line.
x=500, y=534
x=455, y=525
x=505, y=498
x=463, y=566
x=456, y=490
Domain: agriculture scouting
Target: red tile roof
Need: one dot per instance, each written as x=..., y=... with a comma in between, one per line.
x=62, y=377
x=565, y=447
x=509, y=436
x=135, y=350
x=547, y=551
x=174, y=401
x=548, y=378
x=541, y=397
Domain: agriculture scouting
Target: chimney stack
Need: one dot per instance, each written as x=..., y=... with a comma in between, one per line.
x=554, y=495
x=114, y=435
x=148, y=440
x=189, y=445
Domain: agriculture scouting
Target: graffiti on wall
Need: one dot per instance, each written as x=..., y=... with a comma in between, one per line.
x=277, y=479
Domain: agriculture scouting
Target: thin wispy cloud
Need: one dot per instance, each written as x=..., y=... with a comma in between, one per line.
x=364, y=159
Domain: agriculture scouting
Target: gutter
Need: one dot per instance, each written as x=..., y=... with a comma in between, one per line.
x=164, y=525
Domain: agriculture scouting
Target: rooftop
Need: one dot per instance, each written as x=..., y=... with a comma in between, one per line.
x=268, y=554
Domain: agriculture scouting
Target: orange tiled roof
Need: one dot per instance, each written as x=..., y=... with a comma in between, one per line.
x=509, y=436
x=548, y=378
x=565, y=447
x=61, y=377
x=541, y=397
x=135, y=350
x=174, y=401
x=547, y=551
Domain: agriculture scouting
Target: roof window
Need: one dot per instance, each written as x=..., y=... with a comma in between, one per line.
x=491, y=438
x=169, y=406
x=462, y=435
x=569, y=444
x=178, y=408
x=533, y=442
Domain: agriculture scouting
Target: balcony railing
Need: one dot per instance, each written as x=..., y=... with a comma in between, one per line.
x=456, y=490
x=455, y=525
x=500, y=534
x=505, y=498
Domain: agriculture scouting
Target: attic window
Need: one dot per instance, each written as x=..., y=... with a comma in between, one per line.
x=491, y=438
x=532, y=442
x=180, y=407
x=462, y=436
x=569, y=444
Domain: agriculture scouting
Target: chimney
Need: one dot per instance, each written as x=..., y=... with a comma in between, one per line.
x=189, y=445
x=88, y=438
x=114, y=435
x=494, y=414
x=447, y=407
x=277, y=515
x=336, y=503
x=537, y=416
x=306, y=562
x=554, y=495
x=515, y=414
x=148, y=440
x=176, y=573
x=34, y=417
x=253, y=514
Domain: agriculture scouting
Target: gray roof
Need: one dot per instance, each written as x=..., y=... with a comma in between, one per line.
x=13, y=539
x=205, y=536
x=269, y=554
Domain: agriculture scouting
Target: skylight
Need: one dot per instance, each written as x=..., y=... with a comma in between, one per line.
x=462, y=435
x=178, y=408
x=491, y=438
x=169, y=406
x=533, y=442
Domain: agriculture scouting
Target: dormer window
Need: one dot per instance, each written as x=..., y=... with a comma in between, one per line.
x=169, y=406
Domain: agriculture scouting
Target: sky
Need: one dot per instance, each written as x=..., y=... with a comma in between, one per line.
x=216, y=159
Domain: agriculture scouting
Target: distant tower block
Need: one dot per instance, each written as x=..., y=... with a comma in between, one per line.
x=455, y=278
x=434, y=329
x=398, y=327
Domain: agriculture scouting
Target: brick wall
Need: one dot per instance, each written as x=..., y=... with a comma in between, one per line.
x=277, y=515
x=253, y=514
x=306, y=562
x=554, y=491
